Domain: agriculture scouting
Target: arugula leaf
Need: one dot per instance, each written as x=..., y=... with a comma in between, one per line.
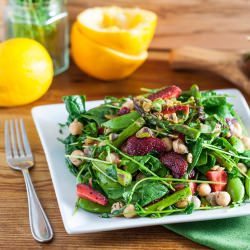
x=212, y=99
x=75, y=105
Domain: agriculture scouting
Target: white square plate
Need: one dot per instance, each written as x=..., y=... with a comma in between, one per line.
x=46, y=120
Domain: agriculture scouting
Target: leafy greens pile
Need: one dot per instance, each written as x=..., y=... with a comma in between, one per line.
x=163, y=152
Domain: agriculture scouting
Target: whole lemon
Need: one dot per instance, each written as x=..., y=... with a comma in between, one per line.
x=26, y=71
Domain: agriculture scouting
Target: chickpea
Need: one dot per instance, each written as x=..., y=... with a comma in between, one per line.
x=203, y=189
x=179, y=147
x=236, y=129
x=114, y=158
x=76, y=161
x=168, y=143
x=75, y=127
x=217, y=168
x=211, y=199
x=183, y=202
x=222, y=198
x=246, y=142
x=129, y=211
x=196, y=201
x=116, y=206
x=189, y=158
x=242, y=167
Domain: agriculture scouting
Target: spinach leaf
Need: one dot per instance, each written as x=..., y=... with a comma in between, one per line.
x=149, y=191
x=75, y=105
x=246, y=153
x=196, y=152
x=211, y=160
x=91, y=129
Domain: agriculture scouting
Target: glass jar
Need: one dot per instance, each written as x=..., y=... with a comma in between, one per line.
x=43, y=20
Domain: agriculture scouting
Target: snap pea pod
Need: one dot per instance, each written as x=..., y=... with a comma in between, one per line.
x=170, y=200
x=236, y=189
x=247, y=183
x=186, y=130
x=93, y=207
x=129, y=131
x=121, y=122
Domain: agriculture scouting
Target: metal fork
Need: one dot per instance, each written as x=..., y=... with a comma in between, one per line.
x=19, y=157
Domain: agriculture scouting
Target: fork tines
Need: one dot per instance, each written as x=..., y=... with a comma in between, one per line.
x=16, y=141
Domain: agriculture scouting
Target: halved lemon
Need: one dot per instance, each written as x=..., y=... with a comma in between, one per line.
x=100, y=61
x=128, y=30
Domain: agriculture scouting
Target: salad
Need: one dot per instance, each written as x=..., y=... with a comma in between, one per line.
x=162, y=152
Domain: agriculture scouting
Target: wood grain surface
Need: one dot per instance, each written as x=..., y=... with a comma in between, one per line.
x=222, y=24
x=218, y=24
x=14, y=229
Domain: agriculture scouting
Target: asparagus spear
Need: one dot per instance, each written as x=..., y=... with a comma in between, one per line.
x=129, y=131
x=170, y=200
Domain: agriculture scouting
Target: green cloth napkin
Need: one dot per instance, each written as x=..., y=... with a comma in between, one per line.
x=225, y=234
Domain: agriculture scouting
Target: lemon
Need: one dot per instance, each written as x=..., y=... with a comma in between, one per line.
x=26, y=71
x=128, y=30
x=102, y=62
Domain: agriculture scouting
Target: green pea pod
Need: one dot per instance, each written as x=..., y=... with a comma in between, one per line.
x=247, y=183
x=93, y=207
x=236, y=189
x=237, y=144
x=121, y=122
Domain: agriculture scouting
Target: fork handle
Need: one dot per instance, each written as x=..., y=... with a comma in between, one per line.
x=39, y=223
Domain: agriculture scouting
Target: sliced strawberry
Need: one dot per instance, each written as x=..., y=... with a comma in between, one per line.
x=142, y=146
x=193, y=187
x=177, y=108
x=167, y=93
x=85, y=191
x=175, y=162
x=218, y=176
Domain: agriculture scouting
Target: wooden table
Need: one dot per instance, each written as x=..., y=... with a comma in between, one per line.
x=14, y=229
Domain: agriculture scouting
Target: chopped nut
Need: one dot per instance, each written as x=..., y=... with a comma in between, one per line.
x=113, y=158
x=113, y=136
x=168, y=143
x=189, y=158
x=184, y=202
x=116, y=206
x=179, y=147
x=217, y=168
x=144, y=132
x=128, y=104
x=89, y=142
x=146, y=105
